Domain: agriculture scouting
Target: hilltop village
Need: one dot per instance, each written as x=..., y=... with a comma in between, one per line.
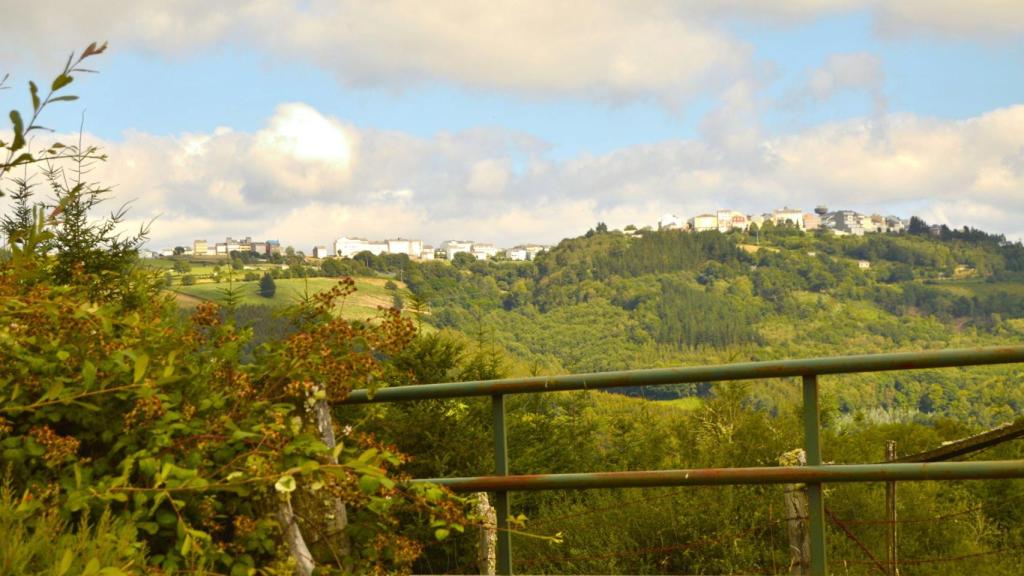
x=838, y=222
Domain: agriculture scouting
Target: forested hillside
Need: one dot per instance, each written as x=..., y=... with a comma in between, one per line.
x=614, y=301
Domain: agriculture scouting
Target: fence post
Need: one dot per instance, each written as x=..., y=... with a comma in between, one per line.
x=486, y=558
x=501, y=499
x=796, y=517
x=890, y=514
x=816, y=504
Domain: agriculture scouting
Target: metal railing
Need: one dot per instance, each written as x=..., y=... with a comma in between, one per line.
x=813, y=475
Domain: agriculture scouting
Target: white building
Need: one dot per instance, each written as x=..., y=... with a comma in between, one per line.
x=518, y=253
x=484, y=251
x=411, y=248
x=670, y=222
x=427, y=253
x=453, y=247
x=320, y=252
x=348, y=247
x=731, y=219
x=703, y=222
x=782, y=216
x=533, y=249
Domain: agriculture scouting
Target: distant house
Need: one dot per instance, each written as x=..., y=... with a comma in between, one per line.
x=347, y=247
x=453, y=247
x=532, y=250
x=703, y=222
x=483, y=251
x=320, y=252
x=670, y=222
x=427, y=253
x=730, y=220
x=845, y=221
x=411, y=248
x=894, y=224
x=518, y=254
x=787, y=215
x=199, y=247
x=811, y=221
x=863, y=264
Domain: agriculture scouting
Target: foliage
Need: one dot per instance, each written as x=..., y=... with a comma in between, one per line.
x=267, y=286
x=192, y=449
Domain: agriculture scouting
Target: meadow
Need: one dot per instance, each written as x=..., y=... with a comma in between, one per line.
x=370, y=293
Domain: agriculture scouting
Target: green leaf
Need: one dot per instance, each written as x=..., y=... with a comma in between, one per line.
x=54, y=391
x=35, y=95
x=186, y=545
x=141, y=363
x=369, y=484
x=88, y=374
x=60, y=82
x=441, y=533
x=92, y=567
x=65, y=563
x=68, y=98
x=19, y=131
x=285, y=484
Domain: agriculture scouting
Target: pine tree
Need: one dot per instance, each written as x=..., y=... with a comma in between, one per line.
x=267, y=286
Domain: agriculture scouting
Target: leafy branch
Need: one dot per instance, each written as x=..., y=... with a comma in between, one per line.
x=22, y=130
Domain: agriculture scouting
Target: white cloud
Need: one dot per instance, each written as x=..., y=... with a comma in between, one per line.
x=498, y=186
x=611, y=50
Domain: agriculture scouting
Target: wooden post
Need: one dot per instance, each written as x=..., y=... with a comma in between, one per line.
x=487, y=559
x=797, y=517
x=890, y=514
x=337, y=514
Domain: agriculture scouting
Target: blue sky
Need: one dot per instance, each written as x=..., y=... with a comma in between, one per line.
x=530, y=121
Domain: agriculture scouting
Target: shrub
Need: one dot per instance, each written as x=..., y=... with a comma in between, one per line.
x=267, y=286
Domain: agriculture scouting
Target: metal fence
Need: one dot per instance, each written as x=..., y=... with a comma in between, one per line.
x=813, y=475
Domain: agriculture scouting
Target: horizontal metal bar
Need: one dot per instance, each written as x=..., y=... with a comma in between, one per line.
x=741, y=371
x=731, y=476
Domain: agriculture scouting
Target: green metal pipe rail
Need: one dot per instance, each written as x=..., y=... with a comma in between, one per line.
x=813, y=475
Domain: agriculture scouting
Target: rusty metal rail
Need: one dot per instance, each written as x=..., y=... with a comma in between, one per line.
x=813, y=475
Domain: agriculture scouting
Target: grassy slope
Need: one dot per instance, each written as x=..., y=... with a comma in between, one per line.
x=370, y=293
x=981, y=288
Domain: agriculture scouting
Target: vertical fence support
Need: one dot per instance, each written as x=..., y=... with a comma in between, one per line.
x=891, y=557
x=816, y=504
x=501, y=500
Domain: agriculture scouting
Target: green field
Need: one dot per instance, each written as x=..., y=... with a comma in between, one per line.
x=370, y=293
x=980, y=288
x=204, y=268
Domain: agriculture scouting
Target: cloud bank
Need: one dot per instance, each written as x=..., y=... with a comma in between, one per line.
x=329, y=179
x=610, y=51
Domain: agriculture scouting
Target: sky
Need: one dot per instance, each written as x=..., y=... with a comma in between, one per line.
x=531, y=121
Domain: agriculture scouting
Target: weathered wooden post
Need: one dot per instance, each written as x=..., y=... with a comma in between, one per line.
x=487, y=558
x=797, y=517
x=890, y=514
